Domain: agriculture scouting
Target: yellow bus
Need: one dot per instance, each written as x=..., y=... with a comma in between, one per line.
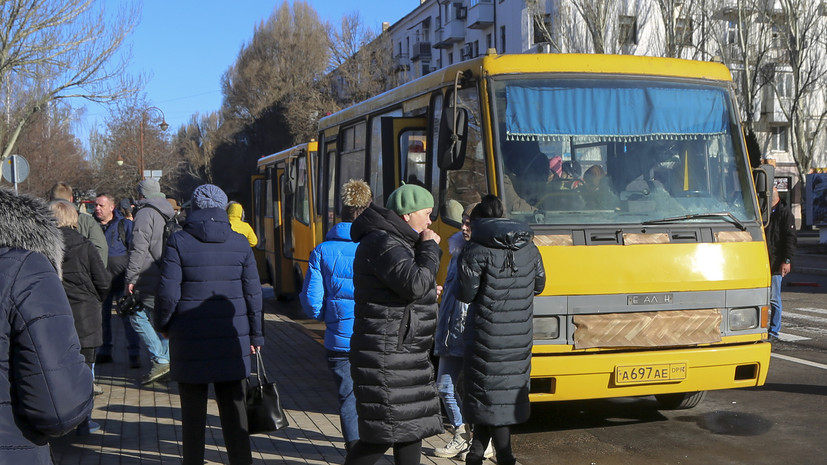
x=632, y=172
x=284, y=216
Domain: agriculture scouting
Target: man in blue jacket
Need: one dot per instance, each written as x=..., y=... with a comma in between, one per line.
x=118, y=233
x=45, y=386
x=327, y=295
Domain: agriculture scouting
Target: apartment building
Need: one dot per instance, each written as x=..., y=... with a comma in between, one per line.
x=438, y=33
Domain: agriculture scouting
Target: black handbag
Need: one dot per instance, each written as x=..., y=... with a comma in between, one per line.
x=264, y=412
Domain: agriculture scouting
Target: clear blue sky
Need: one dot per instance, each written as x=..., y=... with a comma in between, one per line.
x=184, y=46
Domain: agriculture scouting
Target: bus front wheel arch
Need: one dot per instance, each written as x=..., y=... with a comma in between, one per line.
x=680, y=400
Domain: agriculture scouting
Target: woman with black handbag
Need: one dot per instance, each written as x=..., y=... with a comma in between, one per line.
x=208, y=302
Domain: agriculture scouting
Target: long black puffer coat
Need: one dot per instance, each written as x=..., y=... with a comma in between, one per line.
x=500, y=271
x=86, y=282
x=394, y=275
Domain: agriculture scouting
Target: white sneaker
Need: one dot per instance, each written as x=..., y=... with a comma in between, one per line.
x=458, y=445
x=489, y=452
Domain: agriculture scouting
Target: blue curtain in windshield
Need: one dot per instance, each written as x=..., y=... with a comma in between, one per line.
x=613, y=114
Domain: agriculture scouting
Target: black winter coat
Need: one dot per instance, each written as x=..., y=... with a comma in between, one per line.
x=394, y=275
x=781, y=236
x=500, y=272
x=45, y=386
x=86, y=282
x=209, y=300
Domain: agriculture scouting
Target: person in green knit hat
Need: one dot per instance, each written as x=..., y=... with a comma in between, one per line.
x=395, y=294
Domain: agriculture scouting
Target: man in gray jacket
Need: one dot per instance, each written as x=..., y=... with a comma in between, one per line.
x=143, y=271
x=87, y=226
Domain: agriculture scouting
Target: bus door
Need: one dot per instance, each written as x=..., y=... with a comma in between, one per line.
x=287, y=188
x=303, y=221
x=258, y=186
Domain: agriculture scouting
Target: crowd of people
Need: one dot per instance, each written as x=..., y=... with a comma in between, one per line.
x=374, y=283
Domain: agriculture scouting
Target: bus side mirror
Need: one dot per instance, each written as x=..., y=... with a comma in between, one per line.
x=452, y=142
x=764, y=177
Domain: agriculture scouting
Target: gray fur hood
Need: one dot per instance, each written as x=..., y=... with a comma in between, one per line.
x=27, y=223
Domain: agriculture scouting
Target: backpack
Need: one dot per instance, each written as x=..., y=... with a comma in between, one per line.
x=171, y=225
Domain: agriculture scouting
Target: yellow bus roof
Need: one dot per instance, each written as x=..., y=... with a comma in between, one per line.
x=494, y=64
x=294, y=151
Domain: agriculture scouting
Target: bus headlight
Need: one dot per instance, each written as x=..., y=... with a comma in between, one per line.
x=743, y=318
x=546, y=327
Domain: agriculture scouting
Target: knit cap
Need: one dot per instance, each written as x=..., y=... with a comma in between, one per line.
x=149, y=188
x=409, y=198
x=209, y=196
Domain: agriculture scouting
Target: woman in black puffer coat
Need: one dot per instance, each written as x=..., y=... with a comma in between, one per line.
x=394, y=276
x=500, y=272
x=85, y=279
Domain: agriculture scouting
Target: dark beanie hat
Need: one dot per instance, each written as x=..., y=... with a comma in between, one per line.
x=208, y=196
x=150, y=188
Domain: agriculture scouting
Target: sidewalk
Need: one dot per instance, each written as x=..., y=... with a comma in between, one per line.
x=142, y=424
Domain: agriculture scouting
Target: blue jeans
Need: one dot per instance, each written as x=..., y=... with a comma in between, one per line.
x=132, y=340
x=339, y=364
x=775, y=305
x=446, y=383
x=158, y=346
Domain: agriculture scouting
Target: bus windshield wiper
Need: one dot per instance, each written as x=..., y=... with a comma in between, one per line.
x=723, y=215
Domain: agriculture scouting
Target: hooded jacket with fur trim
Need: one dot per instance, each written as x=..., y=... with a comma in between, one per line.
x=45, y=386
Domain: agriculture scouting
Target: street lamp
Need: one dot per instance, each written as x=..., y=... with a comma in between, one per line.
x=163, y=127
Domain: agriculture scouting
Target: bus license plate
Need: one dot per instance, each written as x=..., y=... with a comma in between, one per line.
x=638, y=374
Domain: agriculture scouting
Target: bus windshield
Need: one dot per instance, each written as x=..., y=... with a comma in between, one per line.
x=619, y=151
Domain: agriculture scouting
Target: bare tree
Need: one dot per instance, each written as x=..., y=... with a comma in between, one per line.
x=362, y=62
x=679, y=17
x=597, y=16
x=287, y=55
x=196, y=144
x=130, y=122
x=52, y=50
x=53, y=153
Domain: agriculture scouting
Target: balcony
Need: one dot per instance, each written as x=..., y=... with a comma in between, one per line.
x=773, y=110
x=401, y=62
x=480, y=14
x=421, y=50
x=451, y=33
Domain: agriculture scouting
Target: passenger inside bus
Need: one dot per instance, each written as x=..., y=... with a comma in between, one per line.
x=527, y=169
x=596, y=190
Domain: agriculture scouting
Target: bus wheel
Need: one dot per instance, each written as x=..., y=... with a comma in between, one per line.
x=680, y=400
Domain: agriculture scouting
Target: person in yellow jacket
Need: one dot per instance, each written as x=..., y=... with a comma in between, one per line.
x=236, y=213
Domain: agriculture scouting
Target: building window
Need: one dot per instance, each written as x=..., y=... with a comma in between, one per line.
x=502, y=39
x=731, y=32
x=542, y=28
x=476, y=48
x=784, y=85
x=683, y=31
x=450, y=58
x=627, y=30
x=488, y=41
x=778, y=139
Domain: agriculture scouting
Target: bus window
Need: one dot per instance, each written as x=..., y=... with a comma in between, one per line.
x=352, y=158
x=468, y=183
x=375, y=168
x=330, y=182
x=413, y=158
x=301, y=196
x=651, y=151
x=286, y=210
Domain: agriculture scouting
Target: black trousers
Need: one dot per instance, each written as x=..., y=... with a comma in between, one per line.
x=366, y=453
x=233, y=413
x=500, y=436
